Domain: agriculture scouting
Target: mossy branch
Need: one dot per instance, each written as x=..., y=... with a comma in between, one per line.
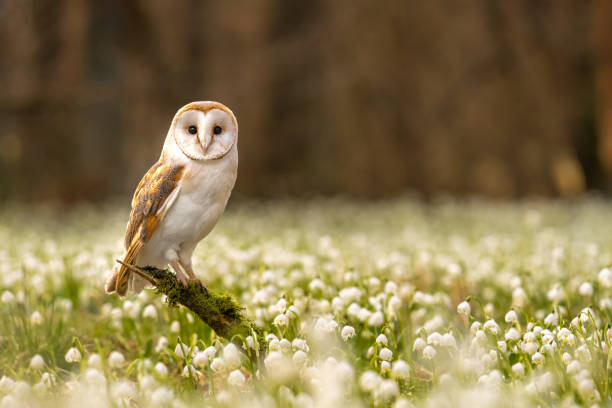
x=222, y=313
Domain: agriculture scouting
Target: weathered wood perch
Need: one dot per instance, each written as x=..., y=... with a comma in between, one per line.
x=224, y=315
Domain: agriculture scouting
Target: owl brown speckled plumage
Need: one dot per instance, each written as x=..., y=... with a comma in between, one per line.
x=181, y=197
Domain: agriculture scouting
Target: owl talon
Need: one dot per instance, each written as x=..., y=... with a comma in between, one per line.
x=203, y=288
x=181, y=278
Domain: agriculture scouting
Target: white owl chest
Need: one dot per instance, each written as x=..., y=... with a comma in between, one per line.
x=200, y=202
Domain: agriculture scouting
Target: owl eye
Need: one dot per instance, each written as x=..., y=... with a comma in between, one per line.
x=217, y=130
x=193, y=130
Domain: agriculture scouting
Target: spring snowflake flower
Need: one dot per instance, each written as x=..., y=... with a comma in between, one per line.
x=218, y=364
x=518, y=369
x=149, y=312
x=200, y=359
x=300, y=344
x=511, y=317
x=400, y=370
x=552, y=319
x=519, y=297
x=491, y=325
x=231, y=355
x=434, y=338
x=162, y=396
x=385, y=366
x=7, y=297
x=73, y=355
x=94, y=361
x=347, y=332
x=369, y=381
x=387, y=389
x=285, y=345
x=236, y=378
x=300, y=358
x=605, y=277
x=116, y=359
x=419, y=344
x=162, y=343
x=513, y=334
x=475, y=327
x=37, y=362
x=93, y=376
x=175, y=326
x=573, y=367
x=123, y=390
x=502, y=346
x=386, y=354
x=382, y=339
x=376, y=319
x=448, y=340
x=464, y=308
x=586, y=289
x=429, y=352
x=538, y=358
x=281, y=320
x=36, y=318
x=161, y=369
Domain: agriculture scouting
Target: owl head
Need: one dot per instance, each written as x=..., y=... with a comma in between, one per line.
x=202, y=130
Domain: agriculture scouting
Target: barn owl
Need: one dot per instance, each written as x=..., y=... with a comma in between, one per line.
x=179, y=200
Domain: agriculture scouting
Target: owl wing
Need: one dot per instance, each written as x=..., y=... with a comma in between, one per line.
x=154, y=195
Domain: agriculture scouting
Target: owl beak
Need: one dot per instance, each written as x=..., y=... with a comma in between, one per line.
x=206, y=142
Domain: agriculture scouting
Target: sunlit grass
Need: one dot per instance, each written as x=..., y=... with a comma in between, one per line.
x=393, y=303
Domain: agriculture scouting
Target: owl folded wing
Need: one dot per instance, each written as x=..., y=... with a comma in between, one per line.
x=154, y=195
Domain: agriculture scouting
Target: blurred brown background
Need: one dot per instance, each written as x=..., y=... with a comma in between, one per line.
x=369, y=98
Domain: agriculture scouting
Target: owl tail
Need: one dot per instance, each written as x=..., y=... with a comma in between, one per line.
x=121, y=277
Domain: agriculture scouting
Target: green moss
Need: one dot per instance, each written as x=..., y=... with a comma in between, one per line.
x=220, y=311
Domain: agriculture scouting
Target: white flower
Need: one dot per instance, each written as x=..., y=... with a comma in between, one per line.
x=385, y=354
x=281, y=305
x=36, y=318
x=161, y=369
x=73, y=355
x=210, y=352
x=511, y=317
x=200, y=359
x=181, y=350
x=369, y=381
x=123, y=389
x=586, y=289
x=538, y=358
x=94, y=376
x=475, y=327
x=529, y=347
x=300, y=357
x=429, y=352
x=565, y=336
x=281, y=320
x=419, y=344
x=116, y=359
x=175, y=326
x=162, y=343
x=573, y=367
x=387, y=389
x=434, y=338
x=48, y=379
x=347, y=332
x=400, y=370
x=491, y=325
x=7, y=297
x=519, y=297
x=555, y=294
x=236, y=378
x=217, y=364
x=382, y=339
x=385, y=366
x=94, y=361
x=300, y=344
x=605, y=278
x=513, y=334
x=189, y=371
x=464, y=308
x=552, y=319
x=518, y=369
x=448, y=340
x=37, y=362
x=566, y=358
x=6, y=384
x=149, y=312
x=231, y=355
x=274, y=345
x=285, y=345
x=502, y=346
x=376, y=319
x=162, y=396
